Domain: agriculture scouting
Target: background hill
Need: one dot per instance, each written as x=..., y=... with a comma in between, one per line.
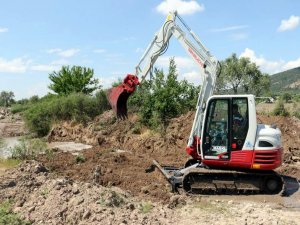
x=287, y=81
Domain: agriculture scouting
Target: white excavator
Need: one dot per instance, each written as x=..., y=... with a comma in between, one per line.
x=229, y=150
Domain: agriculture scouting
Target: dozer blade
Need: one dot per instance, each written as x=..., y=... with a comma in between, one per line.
x=118, y=96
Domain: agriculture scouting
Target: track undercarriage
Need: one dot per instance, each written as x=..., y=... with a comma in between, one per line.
x=197, y=179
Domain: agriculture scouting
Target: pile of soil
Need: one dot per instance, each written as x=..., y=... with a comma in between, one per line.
x=42, y=198
x=122, y=153
x=123, y=150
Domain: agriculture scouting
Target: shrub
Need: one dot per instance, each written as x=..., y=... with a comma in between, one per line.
x=9, y=217
x=78, y=107
x=1, y=142
x=146, y=207
x=29, y=149
x=287, y=97
x=297, y=114
x=80, y=159
x=162, y=98
x=279, y=109
x=18, y=108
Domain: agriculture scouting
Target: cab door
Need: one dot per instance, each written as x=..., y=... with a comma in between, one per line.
x=216, y=130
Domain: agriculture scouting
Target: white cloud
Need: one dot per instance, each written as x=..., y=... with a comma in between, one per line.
x=54, y=65
x=44, y=68
x=99, y=50
x=186, y=67
x=69, y=52
x=3, y=29
x=231, y=28
x=292, y=64
x=64, y=53
x=182, y=7
x=193, y=77
x=60, y=62
x=53, y=50
x=17, y=65
x=270, y=66
x=289, y=24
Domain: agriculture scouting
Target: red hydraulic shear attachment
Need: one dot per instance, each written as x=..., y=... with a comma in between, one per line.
x=117, y=96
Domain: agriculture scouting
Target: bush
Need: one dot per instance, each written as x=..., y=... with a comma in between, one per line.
x=162, y=98
x=146, y=207
x=296, y=114
x=287, y=97
x=18, y=108
x=29, y=149
x=1, y=142
x=80, y=159
x=78, y=107
x=279, y=109
x=9, y=217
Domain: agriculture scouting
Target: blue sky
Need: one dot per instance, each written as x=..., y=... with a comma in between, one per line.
x=37, y=37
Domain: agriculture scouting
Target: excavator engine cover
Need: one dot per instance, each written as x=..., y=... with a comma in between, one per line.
x=117, y=96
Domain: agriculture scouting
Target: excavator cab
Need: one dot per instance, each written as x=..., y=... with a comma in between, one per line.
x=225, y=128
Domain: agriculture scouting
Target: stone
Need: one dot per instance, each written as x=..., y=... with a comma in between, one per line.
x=86, y=214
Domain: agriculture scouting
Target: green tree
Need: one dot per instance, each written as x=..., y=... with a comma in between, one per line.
x=286, y=97
x=34, y=99
x=163, y=98
x=239, y=75
x=6, y=98
x=73, y=80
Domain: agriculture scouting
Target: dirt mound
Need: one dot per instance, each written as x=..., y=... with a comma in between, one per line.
x=123, y=150
x=123, y=153
x=43, y=198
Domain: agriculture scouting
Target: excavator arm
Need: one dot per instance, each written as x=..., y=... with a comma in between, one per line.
x=207, y=63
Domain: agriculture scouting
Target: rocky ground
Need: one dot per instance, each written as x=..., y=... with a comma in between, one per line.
x=45, y=198
x=107, y=184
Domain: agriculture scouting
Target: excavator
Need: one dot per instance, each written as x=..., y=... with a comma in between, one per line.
x=230, y=151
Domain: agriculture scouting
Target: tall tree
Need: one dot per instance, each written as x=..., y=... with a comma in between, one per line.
x=239, y=75
x=73, y=80
x=6, y=98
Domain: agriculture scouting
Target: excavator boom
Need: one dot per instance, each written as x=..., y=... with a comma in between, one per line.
x=207, y=63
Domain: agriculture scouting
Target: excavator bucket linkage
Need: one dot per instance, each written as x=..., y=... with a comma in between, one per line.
x=117, y=96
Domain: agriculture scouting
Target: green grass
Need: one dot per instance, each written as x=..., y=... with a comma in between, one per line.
x=146, y=207
x=9, y=163
x=80, y=159
x=8, y=217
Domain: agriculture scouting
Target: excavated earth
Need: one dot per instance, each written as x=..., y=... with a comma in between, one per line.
x=107, y=183
x=123, y=152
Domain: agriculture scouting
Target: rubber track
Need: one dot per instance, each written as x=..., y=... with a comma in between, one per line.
x=206, y=181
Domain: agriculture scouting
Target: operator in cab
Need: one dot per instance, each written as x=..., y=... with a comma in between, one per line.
x=237, y=120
